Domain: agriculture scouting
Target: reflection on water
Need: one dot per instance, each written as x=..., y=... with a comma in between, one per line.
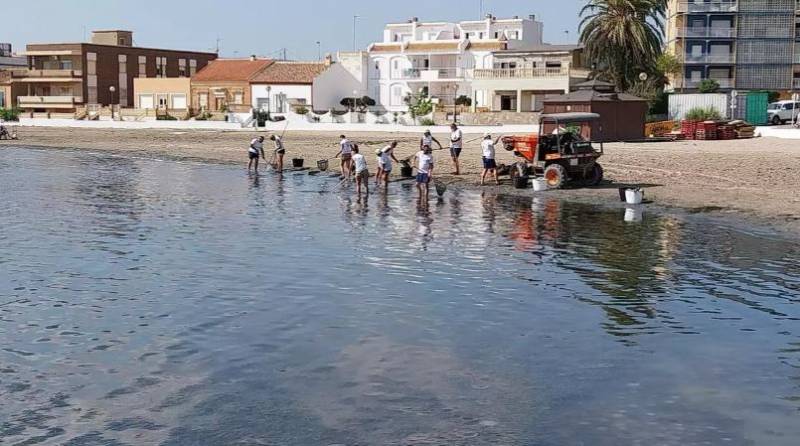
x=147, y=302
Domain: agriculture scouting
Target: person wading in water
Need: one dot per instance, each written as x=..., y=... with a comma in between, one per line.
x=385, y=157
x=279, y=151
x=456, y=143
x=424, y=160
x=256, y=149
x=346, y=152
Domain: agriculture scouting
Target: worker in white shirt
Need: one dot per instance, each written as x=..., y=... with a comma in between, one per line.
x=346, y=152
x=428, y=140
x=489, y=163
x=456, y=144
x=256, y=149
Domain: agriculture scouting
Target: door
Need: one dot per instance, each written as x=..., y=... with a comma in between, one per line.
x=162, y=101
x=757, y=107
x=505, y=103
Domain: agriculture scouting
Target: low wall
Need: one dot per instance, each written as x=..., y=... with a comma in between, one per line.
x=492, y=118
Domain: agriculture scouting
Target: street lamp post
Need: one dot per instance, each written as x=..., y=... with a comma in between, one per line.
x=112, y=89
x=269, y=101
x=355, y=18
x=319, y=50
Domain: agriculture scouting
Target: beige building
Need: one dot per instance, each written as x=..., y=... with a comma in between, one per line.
x=162, y=94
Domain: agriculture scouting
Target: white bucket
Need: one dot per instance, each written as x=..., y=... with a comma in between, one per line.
x=539, y=184
x=634, y=196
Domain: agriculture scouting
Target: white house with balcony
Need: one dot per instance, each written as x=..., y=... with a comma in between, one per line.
x=501, y=64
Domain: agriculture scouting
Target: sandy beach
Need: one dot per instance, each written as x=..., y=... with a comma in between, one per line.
x=752, y=179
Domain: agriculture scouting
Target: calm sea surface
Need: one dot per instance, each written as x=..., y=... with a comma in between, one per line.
x=146, y=302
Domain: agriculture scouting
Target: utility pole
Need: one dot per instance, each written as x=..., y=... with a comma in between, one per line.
x=218, y=41
x=355, y=18
x=481, y=9
x=319, y=50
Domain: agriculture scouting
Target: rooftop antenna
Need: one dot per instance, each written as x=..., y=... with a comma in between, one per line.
x=218, y=42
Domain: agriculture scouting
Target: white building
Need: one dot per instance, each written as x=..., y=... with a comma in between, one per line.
x=501, y=64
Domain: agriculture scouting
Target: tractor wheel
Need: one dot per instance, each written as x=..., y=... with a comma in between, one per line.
x=594, y=176
x=519, y=176
x=556, y=176
x=776, y=120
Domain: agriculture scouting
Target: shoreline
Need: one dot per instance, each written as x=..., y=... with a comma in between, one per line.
x=708, y=177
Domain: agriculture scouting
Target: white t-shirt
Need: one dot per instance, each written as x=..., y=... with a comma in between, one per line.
x=278, y=143
x=385, y=158
x=347, y=146
x=256, y=146
x=360, y=162
x=425, y=162
x=455, y=138
x=488, y=149
x=427, y=141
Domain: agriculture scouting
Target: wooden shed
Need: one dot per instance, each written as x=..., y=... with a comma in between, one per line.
x=622, y=115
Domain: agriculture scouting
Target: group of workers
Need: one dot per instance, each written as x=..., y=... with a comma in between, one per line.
x=354, y=164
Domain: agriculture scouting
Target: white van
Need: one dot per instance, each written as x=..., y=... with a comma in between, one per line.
x=782, y=112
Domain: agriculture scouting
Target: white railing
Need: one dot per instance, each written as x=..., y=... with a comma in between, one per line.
x=723, y=83
x=700, y=6
x=795, y=84
x=707, y=32
x=710, y=58
x=49, y=100
x=431, y=74
x=519, y=73
x=53, y=73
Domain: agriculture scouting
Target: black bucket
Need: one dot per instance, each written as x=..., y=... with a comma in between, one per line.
x=297, y=162
x=407, y=171
x=622, y=193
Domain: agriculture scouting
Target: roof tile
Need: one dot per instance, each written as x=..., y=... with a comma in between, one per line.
x=283, y=72
x=231, y=70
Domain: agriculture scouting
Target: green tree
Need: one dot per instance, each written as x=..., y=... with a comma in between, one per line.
x=623, y=37
x=708, y=86
x=669, y=65
x=418, y=105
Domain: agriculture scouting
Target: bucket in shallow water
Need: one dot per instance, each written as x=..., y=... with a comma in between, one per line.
x=634, y=215
x=634, y=196
x=297, y=162
x=539, y=184
x=322, y=165
x=407, y=171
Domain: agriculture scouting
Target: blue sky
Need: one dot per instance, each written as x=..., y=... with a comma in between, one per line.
x=262, y=27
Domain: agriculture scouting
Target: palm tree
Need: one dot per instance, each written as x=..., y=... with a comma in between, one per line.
x=623, y=37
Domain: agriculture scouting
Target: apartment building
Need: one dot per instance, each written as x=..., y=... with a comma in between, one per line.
x=65, y=77
x=10, y=60
x=501, y=64
x=742, y=44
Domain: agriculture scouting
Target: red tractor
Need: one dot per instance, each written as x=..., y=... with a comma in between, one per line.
x=560, y=152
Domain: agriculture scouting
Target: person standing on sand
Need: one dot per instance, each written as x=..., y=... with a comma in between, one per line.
x=489, y=164
x=424, y=159
x=256, y=149
x=362, y=173
x=346, y=152
x=428, y=140
x=279, y=151
x=456, y=143
x=385, y=164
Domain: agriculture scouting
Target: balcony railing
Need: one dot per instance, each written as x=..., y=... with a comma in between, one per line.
x=795, y=84
x=431, y=74
x=700, y=6
x=520, y=73
x=710, y=58
x=724, y=33
x=49, y=101
x=723, y=83
x=54, y=73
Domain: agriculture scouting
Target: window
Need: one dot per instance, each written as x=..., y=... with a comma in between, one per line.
x=192, y=67
x=238, y=98
x=202, y=100
x=161, y=67
x=480, y=35
x=182, y=72
x=123, y=80
x=179, y=102
x=467, y=35
x=142, y=66
x=397, y=95
x=91, y=77
x=496, y=34
x=146, y=101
